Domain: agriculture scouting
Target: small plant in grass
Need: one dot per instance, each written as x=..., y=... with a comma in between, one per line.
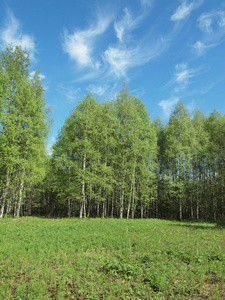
x=119, y=267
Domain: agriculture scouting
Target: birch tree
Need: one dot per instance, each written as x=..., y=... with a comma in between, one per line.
x=215, y=127
x=136, y=152
x=24, y=126
x=180, y=135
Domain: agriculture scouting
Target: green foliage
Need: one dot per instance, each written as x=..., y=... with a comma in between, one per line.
x=110, y=160
x=104, y=157
x=23, y=130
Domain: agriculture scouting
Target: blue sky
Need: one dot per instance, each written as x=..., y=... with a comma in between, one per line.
x=165, y=50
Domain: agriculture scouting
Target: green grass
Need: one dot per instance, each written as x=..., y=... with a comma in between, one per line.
x=111, y=259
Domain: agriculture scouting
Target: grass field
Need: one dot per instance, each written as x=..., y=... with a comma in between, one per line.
x=111, y=259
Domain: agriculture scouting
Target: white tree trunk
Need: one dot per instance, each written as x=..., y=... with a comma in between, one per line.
x=112, y=211
x=3, y=196
x=122, y=189
x=83, y=187
x=81, y=210
x=20, y=196
x=180, y=208
x=142, y=210
x=132, y=193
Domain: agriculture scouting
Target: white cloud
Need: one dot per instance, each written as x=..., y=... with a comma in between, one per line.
x=126, y=55
x=70, y=93
x=116, y=59
x=212, y=21
x=78, y=49
x=221, y=21
x=201, y=48
x=212, y=25
x=182, y=75
x=128, y=23
x=168, y=105
x=40, y=75
x=98, y=90
x=146, y=3
x=211, y=85
x=191, y=106
x=121, y=59
x=79, y=45
x=104, y=91
x=124, y=25
x=11, y=33
x=139, y=92
x=182, y=11
x=205, y=22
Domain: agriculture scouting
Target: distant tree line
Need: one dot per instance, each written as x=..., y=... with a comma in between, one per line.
x=109, y=159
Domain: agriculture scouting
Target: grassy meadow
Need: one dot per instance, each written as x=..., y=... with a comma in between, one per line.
x=111, y=259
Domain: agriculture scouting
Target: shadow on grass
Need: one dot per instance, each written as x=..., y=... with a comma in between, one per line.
x=200, y=225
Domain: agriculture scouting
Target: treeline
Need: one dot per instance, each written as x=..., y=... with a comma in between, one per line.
x=109, y=159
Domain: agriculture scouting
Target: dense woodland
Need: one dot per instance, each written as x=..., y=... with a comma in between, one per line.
x=110, y=159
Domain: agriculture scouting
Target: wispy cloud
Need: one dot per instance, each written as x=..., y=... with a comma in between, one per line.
x=139, y=92
x=183, y=73
x=205, y=22
x=185, y=9
x=212, y=24
x=32, y=73
x=12, y=33
x=182, y=11
x=201, y=48
x=191, y=107
x=211, y=84
x=146, y=3
x=126, y=54
x=212, y=21
x=79, y=45
x=168, y=105
x=221, y=20
x=118, y=58
x=181, y=77
x=121, y=58
x=129, y=22
x=124, y=25
x=70, y=93
x=104, y=91
x=99, y=90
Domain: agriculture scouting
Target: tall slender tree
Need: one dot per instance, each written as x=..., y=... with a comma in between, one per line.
x=24, y=127
x=180, y=136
